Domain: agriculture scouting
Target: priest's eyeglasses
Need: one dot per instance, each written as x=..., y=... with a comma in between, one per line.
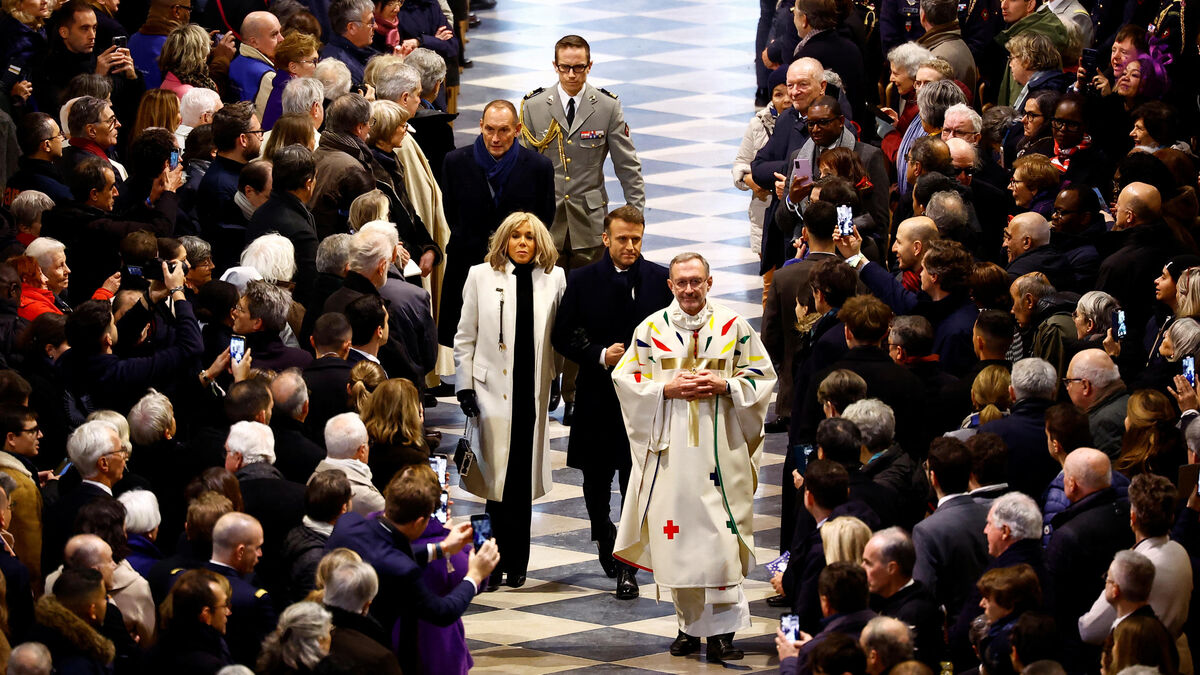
x=689, y=283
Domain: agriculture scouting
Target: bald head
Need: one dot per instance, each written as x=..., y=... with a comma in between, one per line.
x=919, y=228
x=1026, y=232
x=261, y=30
x=1091, y=378
x=89, y=552
x=235, y=529
x=1138, y=204
x=1086, y=471
x=805, y=82
x=962, y=153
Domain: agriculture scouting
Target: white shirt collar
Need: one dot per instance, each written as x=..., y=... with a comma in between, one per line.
x=323, y=529
x=369, y=357
x=947, y=498
x=102, y=486
x=563, y=97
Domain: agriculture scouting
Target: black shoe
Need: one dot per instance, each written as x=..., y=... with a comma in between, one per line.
x=627, y=585
x=555, y=395
x=779, y=601
x=494, y=580
x=778, y=425
x=568, y=413
x=720, y=648
x=515, y=580
x=429, y=400
x=685, y=644
x=472, y=20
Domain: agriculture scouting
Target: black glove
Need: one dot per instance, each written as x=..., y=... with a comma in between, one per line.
x=466, y=399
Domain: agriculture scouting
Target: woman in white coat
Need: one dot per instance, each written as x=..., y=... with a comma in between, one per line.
x=504, y=364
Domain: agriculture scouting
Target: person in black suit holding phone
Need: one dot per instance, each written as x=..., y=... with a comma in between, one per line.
x=603, y=304
x=483, y=184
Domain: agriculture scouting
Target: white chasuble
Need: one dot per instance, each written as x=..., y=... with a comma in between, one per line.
x=689, y=509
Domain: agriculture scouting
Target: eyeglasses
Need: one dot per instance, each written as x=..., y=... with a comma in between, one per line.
x=1064, y=212
x=966, y=171
x=311, y=62
x=258, y=132
x=59, y=136
x=1031, y=115
x=823, y=123
x=1070, y=125
x=111, y=123
x=35, y=430
x=578, y=69
x=369, y=22
x=1068, y=380
x=122, y=452
x=689, y=283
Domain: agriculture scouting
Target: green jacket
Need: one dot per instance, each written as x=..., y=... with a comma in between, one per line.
x=1046, y=23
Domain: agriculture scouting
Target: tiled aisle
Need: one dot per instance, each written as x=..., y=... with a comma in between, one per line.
x=682, y=71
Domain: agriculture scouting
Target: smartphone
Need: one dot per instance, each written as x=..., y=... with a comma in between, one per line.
x=120, y=41
x=440, y=466
x=1088, y=60
x=443, y=510
x=882, y=116
x=790, y=625
x=481, y=523
x=1118, y=324
x=237, y=348
x=845, y=221
x=801, y=168
x=174, y=159
x=1189, y=369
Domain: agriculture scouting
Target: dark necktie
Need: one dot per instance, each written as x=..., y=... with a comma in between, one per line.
x=570, y=112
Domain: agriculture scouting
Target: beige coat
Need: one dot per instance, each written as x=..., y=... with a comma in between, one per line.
x=482, y=365
x=26, y=525
x=426, y=198
x=364, y=496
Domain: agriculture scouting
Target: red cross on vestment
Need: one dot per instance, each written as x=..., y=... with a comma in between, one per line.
x=671, y=529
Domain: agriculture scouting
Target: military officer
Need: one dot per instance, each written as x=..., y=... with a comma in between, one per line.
x=576, y=125
x=237, y=547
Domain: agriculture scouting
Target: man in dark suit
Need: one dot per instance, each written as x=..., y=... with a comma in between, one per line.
x=329, y=374
x=482, y=184
x=845, y=607
x=951, y=548
x=866, y=321
x=1030, y=467
x=991, y=337
x=888, y=559
x=96, y=452
x=602, y=305
x=293, y=176
x=237, y=546
x=298, y=455
x=384, y=542
x=276, y=502
x=790, y=286
x=1086, y=537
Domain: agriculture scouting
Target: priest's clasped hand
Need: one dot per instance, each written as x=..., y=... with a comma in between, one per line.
x=694, y=386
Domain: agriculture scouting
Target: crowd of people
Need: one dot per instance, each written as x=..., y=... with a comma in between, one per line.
x=241, y=253
x=977, y=225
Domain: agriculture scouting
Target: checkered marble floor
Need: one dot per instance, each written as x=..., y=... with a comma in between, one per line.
x=682, y=69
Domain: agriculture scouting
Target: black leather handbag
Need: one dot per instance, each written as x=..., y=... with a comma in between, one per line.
x=464, y=456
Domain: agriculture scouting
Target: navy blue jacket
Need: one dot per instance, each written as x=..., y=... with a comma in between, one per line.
x=790, y=134
x=473, y=215
x=40, y=175
x=420, y=19
x=1047, y=260
x=851, y=624
x=1030, y=467
x=253, y=615
x=355, y=58
x=403, y=597
x=214, y=199
x=601, y=307
x=1080, y=253
x=1027, y=551
x=921, y=612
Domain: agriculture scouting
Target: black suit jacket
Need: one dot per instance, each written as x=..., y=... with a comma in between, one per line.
x=286, y=214
x=296, y=455
x=253, y=615
x=601, y=307
x=916, y=607
x=473, y=215
x=58, y=522
x=951, y=550
x=326, y=378
x=778, y=334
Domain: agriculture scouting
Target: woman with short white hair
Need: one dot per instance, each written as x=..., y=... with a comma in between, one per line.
x=299, y=642
x=142, y=519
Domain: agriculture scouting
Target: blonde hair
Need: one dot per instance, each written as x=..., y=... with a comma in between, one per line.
x=844, y=539
x=13, y=7
x=185, y=53
x=392, y=414
x=989, y=393
x=330, y=562
x=1187, y=293
x=368, y=206
x=289, y=129
x=158, y=108
x=365, y=376
x=387, y=117
x=378, y=63
x=545, y=255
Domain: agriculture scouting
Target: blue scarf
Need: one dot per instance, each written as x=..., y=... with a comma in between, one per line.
x=497, y=170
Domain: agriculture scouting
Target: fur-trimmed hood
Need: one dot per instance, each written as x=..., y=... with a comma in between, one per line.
x=75, y=632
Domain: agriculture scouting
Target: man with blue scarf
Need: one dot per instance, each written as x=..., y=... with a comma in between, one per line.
x=482, y=184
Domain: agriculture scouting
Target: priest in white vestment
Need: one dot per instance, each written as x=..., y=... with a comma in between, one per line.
x=694, y=390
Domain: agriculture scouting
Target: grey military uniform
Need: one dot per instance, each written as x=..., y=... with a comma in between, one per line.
x=578, y=157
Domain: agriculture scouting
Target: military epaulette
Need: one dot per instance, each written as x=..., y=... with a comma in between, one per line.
x=535, y=92
x=260, y=592
x=608, y=93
